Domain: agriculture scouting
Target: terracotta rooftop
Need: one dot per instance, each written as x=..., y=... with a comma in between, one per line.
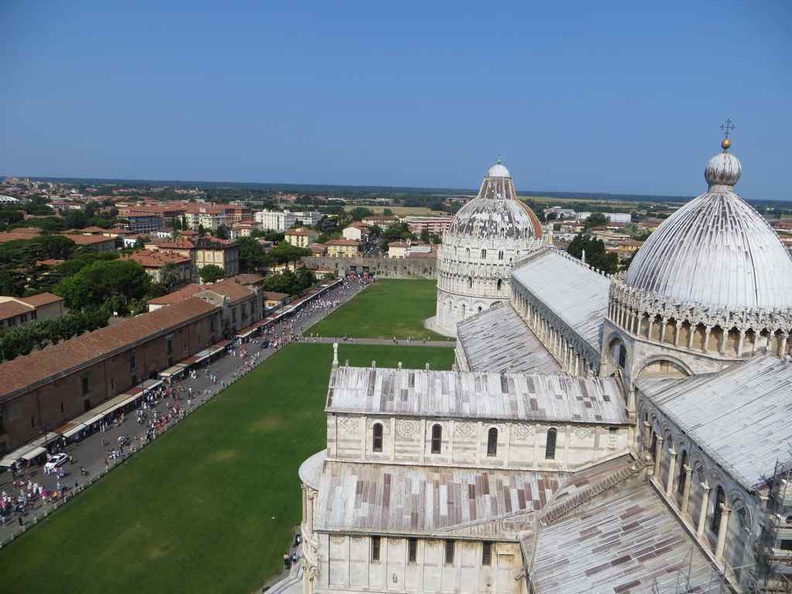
x=247, y=279
x=227, y=288
x=301, y=232
x=179, y=243
x=41, y=299
x=58, y=360
x=157, y=258
x=11, y=309
x=89, y=239
x=274, y=296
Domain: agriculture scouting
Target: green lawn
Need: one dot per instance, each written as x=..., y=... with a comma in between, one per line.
x=209, y=507
x=386, y=309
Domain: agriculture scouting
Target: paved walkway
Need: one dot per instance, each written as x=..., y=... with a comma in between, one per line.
x=384, y=341
x=93, y=453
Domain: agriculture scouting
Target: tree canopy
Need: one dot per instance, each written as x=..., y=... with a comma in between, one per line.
x=596, y=256
x=211, y=273
x=115, y=282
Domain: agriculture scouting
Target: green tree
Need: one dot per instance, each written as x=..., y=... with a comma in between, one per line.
x=211, y=273
x=387, y=212
x=596, y=256
x=170, y=277
x=251, y=255
x=595, y=219
x=75, y=219
x=359, y=213
x=222, y=232
x=115, y=281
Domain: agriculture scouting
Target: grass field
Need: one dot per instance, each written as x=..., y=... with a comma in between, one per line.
x=208, y=507
x=386, y=309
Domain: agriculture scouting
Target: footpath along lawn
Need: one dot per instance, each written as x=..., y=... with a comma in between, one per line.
x=209, y=506
x=386, y=309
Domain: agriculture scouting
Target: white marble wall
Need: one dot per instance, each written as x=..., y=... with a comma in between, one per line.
x=347, y=567
x=464, y=442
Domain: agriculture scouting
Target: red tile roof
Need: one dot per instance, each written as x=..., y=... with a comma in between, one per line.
x=89, y=239
x=12, y=309
x=157, y=258
x=228, y=288
x=41, y=299
x=59, y=360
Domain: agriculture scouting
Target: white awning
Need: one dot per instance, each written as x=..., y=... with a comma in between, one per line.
x=33, y=454
x=171, y=371
x=74, y=430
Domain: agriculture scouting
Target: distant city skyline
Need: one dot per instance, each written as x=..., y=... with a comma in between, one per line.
x=615, y=97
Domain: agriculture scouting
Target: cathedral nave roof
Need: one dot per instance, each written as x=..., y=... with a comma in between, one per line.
x=742, y=417
x=498, y=340
x=574, y=292
x=477, y=395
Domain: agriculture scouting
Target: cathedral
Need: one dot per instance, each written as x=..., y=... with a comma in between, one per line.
x=620, y=434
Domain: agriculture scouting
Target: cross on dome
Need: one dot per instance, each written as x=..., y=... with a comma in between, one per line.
x=727, y=128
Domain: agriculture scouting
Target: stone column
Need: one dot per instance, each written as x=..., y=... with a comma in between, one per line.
x=692, y=331
x=676, y=332
x=723, y=528
x=671, y=470
x=724, y=338
x=662, y=329
x=705, y=347
x=741, y=343
x=784, y=343
x=705, y=491
x=647, y=435
x=686, y=490
x=658, y=457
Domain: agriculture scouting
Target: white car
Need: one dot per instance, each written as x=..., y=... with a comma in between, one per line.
x=54, y=461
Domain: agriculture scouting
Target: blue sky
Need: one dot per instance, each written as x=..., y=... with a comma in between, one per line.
x=623, y=97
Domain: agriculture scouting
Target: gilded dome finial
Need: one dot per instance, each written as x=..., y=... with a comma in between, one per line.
x=727, y=127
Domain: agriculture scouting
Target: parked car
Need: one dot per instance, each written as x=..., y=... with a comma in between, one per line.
x=265, y=344
x=54, y=461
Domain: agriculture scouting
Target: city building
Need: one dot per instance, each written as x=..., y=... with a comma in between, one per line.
x=436, y=225
x=274, y=220
x=624, y=433
x=613, y=217
x=220, y=252
x=380, y=220
x=487, y=236
x=100, y=243
x=159, y=263
x=302, y=237
x=342, y=248
x=42, y=390
x=355, y=232
x=15, y=311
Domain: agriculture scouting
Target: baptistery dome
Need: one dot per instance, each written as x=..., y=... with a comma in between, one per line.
x=487, y=236
x=716, y=251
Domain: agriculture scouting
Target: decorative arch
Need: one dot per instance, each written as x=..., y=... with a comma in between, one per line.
x=664, y=365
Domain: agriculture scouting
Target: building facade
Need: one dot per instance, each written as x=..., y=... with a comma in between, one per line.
x=564, y=456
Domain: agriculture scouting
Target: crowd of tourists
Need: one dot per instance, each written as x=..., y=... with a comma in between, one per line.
x=158, y=409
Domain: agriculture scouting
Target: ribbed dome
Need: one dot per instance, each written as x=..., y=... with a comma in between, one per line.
x=716, y=251
x=496, y=212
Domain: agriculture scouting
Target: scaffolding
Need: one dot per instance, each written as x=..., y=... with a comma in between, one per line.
x=774, y=567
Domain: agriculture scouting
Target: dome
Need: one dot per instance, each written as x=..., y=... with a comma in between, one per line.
x=723, y=169
x=716, y=251
x=496, y=212
x=498, y=170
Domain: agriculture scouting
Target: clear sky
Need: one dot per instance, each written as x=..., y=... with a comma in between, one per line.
x=590, y=96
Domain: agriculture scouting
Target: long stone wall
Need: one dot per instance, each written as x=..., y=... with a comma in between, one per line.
x=380, y=267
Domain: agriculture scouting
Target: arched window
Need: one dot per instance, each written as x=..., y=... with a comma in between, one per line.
x=376, y=444
x=683, y=460
x=500, y=283
x=622, y=356
x=500, y=255
x=467, y=253
x=717, y=511
x=470, y=282
x=492, y=442
x=437, y=438
x=483, y=254
x=550, y=446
